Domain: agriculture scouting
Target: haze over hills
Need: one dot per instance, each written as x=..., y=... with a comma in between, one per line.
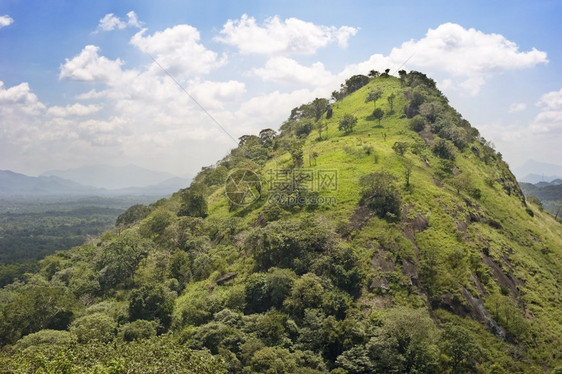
x=534, y=171
x=109, y=181
x=112, y=177
x=379, y=233
x=19, y=184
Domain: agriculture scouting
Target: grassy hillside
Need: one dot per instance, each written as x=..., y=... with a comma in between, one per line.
x=339, y=245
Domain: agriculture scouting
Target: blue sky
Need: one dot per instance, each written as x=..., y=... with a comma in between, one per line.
x=79, y=85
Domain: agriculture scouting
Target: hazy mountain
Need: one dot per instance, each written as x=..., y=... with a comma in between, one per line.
x=112, y=177
x=534, y=171
x=16, y=184
x=166, y=187
x=12, y=184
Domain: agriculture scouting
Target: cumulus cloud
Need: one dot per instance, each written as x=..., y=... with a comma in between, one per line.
x=284, y=70
x=517, y=107
x=271, y=109
x=90, y=66
x=215, y=95
x=77, y=109
x=111, y=22
x=5, y=20
x=178, y=50
x=549, y=120
x=469, y=56
x=19, y=99
x=291, y=36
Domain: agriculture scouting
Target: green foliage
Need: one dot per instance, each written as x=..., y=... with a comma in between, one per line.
x=34, y=308
x=444, y=148
x=400, y=148
x=150, y=356
x=380, y=195
x=121, y=257
x=460, y=352
x=97, y=327
x=48, y=337
x=417, y=123
x=303, y=129
x=152, y=303
x=306, y=293
x=378, y=114
x=288, y=244
x=133, y=215
x=347, y=123
x=139, y=329
x=351, y=85
x=194, y=201
x=390, y=100
x=297, y=153
x=374, y=96
x=405, y=344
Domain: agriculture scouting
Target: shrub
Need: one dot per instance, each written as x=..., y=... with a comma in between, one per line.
x=139, y=329
x=94, y=327
x=347, y=123
x=444, y=149
x=417, y=123
x=381, y=196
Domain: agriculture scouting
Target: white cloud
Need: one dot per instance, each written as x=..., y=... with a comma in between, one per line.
x=517, y=107
x=271, y=109
x=217, y=94
x=466, y=52
x=284, y=70
x=551, y=100
x=291, y=36
x=468, y=55
x=19, y=99
x=178, y=50
x=111, y=22
x=89, y=66
x=73, y=110
x=5, y=20
x=549, y=120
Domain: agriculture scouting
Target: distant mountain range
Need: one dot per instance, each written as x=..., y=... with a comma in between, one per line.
x=19, y=184
x=112, y=177
x=109, y=181
x=534, y=172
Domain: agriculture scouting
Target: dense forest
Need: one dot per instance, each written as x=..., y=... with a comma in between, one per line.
x=376, y=232
x=34, y=227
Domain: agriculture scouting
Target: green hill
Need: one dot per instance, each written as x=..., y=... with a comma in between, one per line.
x=350, y=242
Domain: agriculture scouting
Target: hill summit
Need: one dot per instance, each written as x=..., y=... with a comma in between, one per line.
x=377, y=232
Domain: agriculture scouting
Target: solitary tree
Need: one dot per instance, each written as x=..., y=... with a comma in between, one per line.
x=374, y=74
x=402, y=73
x=408, y=171
x=378, y=114
x=347, y=123
x=390, y=99
x=400, y=148
x=374, y=96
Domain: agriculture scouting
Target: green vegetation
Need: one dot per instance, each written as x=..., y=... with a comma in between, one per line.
x=403, y=249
